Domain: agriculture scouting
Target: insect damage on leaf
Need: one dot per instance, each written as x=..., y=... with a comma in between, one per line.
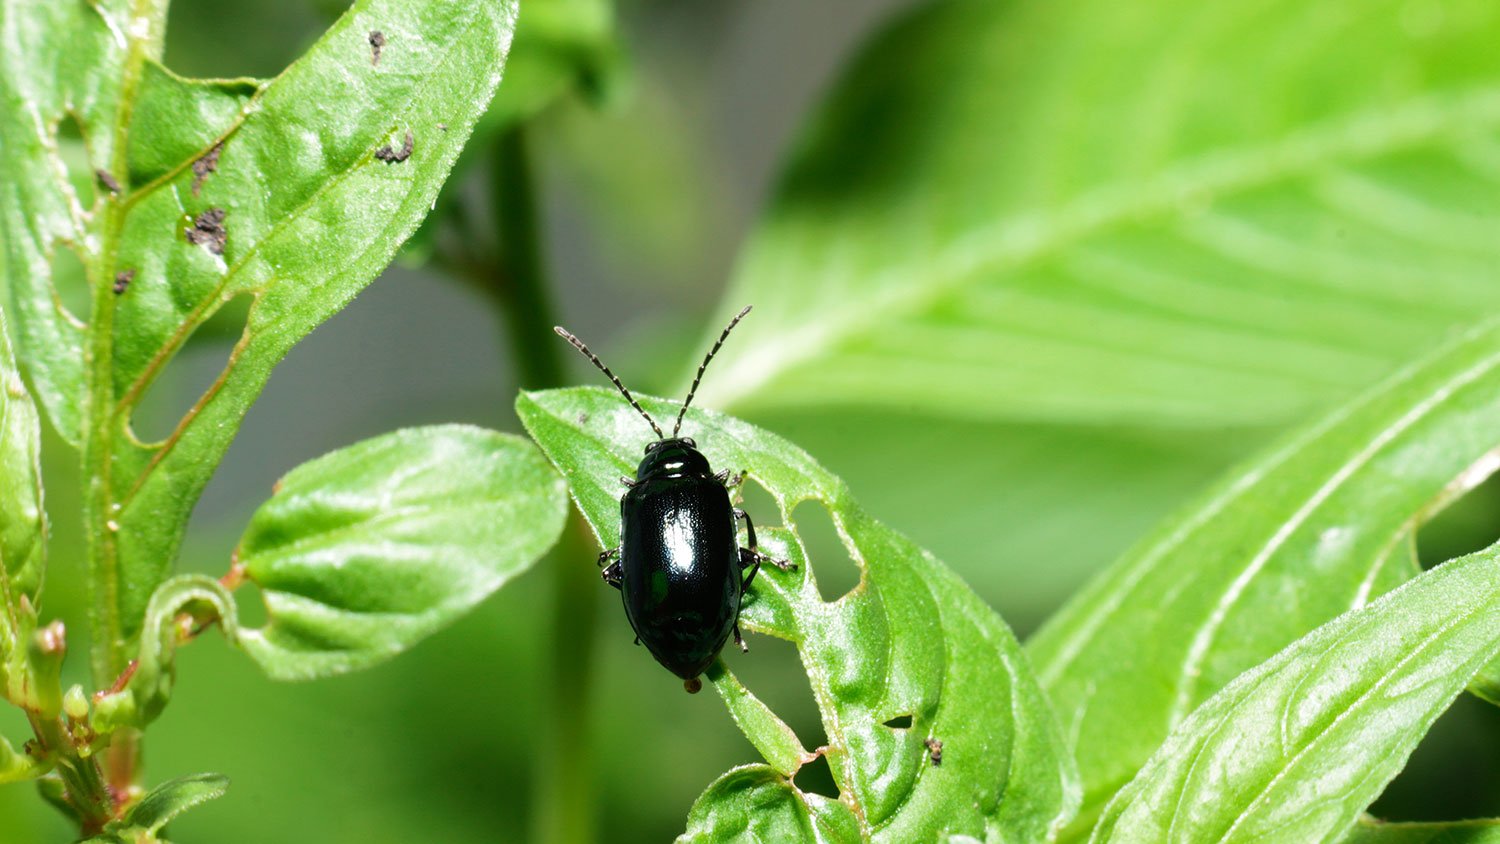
x=206, y=165
x=208, y=231
x=377, y=41
x=891, y=665
x=395, y=156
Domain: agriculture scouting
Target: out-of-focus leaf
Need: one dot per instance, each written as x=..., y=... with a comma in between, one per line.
x=1459, y=832
x=23, y=525
x=362, y=553
x=560, y=46
x=1160, y=211
x=1295, y=749
x=293, y=195
x=910, y=642
x=1315, y=526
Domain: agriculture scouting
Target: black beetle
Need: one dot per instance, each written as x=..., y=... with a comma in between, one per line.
x=679, y=565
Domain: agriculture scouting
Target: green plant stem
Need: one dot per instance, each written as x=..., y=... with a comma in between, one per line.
x=564, y=805
x=87, y=792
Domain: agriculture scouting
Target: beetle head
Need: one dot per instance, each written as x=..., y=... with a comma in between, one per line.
x=672, y=457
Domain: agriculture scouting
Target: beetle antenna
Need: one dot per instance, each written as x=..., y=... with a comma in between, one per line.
x=578, y=344
x=702, y=366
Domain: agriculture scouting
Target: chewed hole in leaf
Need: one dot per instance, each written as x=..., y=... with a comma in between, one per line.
x=774, y=672
x=191, y=374
x=1468, y=524
x=70, y=280
x=753, y=498
x=72, y=149
x=833, y=569
x=816, y=777
x=900, y=722
x=1449, y=775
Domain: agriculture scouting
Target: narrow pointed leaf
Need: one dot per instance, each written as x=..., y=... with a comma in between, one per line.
x=911, y=641
x=1156, y=211
x=1295, y=749
x=172, y=798
x=1313, y=527
x=364, y=552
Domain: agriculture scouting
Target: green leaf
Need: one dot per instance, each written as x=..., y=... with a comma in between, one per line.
x=1316, y=525
x=1294, y=749
x=770, y=735
x=172, y=798
x=144, y=821
x=312, y=211
x=1459, y=832
x=23, y=525
x=911, y=641
x=756, y=803
x=1165, y=212
x=561, y=46
x=365, y=551
x=66, y=67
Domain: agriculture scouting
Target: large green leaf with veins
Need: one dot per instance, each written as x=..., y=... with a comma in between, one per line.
x=1317, y=525
x=910, y=655
x=1159, y=211
x=1295, y=749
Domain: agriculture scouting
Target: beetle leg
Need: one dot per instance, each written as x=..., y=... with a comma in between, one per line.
x=759, y=557
x=748, y=560
x=624, y=481
x=613, y=575
x=740, y=640
x=611, y=554
x=749, y=526
x=728, y=481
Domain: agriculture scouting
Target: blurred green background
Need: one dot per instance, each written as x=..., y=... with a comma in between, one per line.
x=656, y=134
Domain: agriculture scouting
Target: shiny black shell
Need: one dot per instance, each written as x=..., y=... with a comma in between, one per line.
x=679, y=558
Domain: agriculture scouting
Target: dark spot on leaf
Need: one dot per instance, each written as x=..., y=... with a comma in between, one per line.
x=583, y=418
x=109, y=182
x=377, y=40
x=209, y=163
x=394, y=156
x=934, y=751
x=443, y=126
x=208, y=231
x=122, y=280
x=900, y=722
